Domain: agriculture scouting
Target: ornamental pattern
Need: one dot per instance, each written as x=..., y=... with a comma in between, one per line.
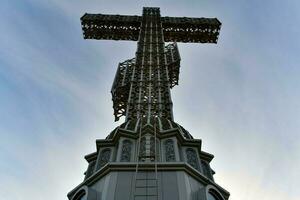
x=192, y=159
x=104, y=157
x=169, y=150
x=126, y=151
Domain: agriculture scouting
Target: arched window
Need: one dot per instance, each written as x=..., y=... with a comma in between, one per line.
x=126, y=151
x=169, y=150
x=214, y=195
x=104, y=157
x=192, y=158
x=211, y=197
x=81, y=195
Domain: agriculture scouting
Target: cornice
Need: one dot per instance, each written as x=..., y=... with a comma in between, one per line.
x=130, y=166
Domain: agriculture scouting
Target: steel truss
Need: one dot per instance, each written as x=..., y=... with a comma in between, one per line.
x=142, y=85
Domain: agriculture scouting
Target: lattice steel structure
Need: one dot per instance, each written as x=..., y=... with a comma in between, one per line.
x=142, y=85
x=149, y=156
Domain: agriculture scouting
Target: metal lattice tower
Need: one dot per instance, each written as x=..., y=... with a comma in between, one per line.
x=142, y=85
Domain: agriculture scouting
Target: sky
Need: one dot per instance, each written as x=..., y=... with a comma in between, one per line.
x=241, y=96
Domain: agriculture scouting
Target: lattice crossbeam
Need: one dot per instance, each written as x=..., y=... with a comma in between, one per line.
x=110, y=27
x=127, y=27
x=183, y=29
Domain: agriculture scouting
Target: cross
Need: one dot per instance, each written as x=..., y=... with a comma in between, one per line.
x=141, y=87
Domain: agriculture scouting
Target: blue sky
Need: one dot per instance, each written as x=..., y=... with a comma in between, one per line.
x=241, y=96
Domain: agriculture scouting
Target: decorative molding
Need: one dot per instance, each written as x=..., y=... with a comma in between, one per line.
x=170, y=166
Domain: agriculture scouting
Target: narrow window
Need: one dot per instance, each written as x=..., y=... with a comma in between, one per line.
x=126, y=151
x=104, y=157
x=206, y=170
x=192, y=159
x=90, y=169
x=169, y=150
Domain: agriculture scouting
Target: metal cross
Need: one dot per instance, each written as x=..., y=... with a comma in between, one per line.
x=141, y=88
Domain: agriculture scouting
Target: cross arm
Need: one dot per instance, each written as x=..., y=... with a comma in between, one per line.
x=110, y=27
x=183, y=29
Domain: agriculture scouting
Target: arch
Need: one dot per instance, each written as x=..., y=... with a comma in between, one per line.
x=192, y=158
x=80, y=195
x=104, y=157
x=126, y=151
x=169, y=150
x=213, y=193
x=84, y=193
x=210, y=196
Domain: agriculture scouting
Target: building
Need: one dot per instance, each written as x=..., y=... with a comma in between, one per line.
x=149, y=156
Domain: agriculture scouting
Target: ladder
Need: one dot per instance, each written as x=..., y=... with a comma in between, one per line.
x=146, y=182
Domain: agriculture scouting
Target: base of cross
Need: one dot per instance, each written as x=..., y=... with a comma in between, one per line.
x=176, y=166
